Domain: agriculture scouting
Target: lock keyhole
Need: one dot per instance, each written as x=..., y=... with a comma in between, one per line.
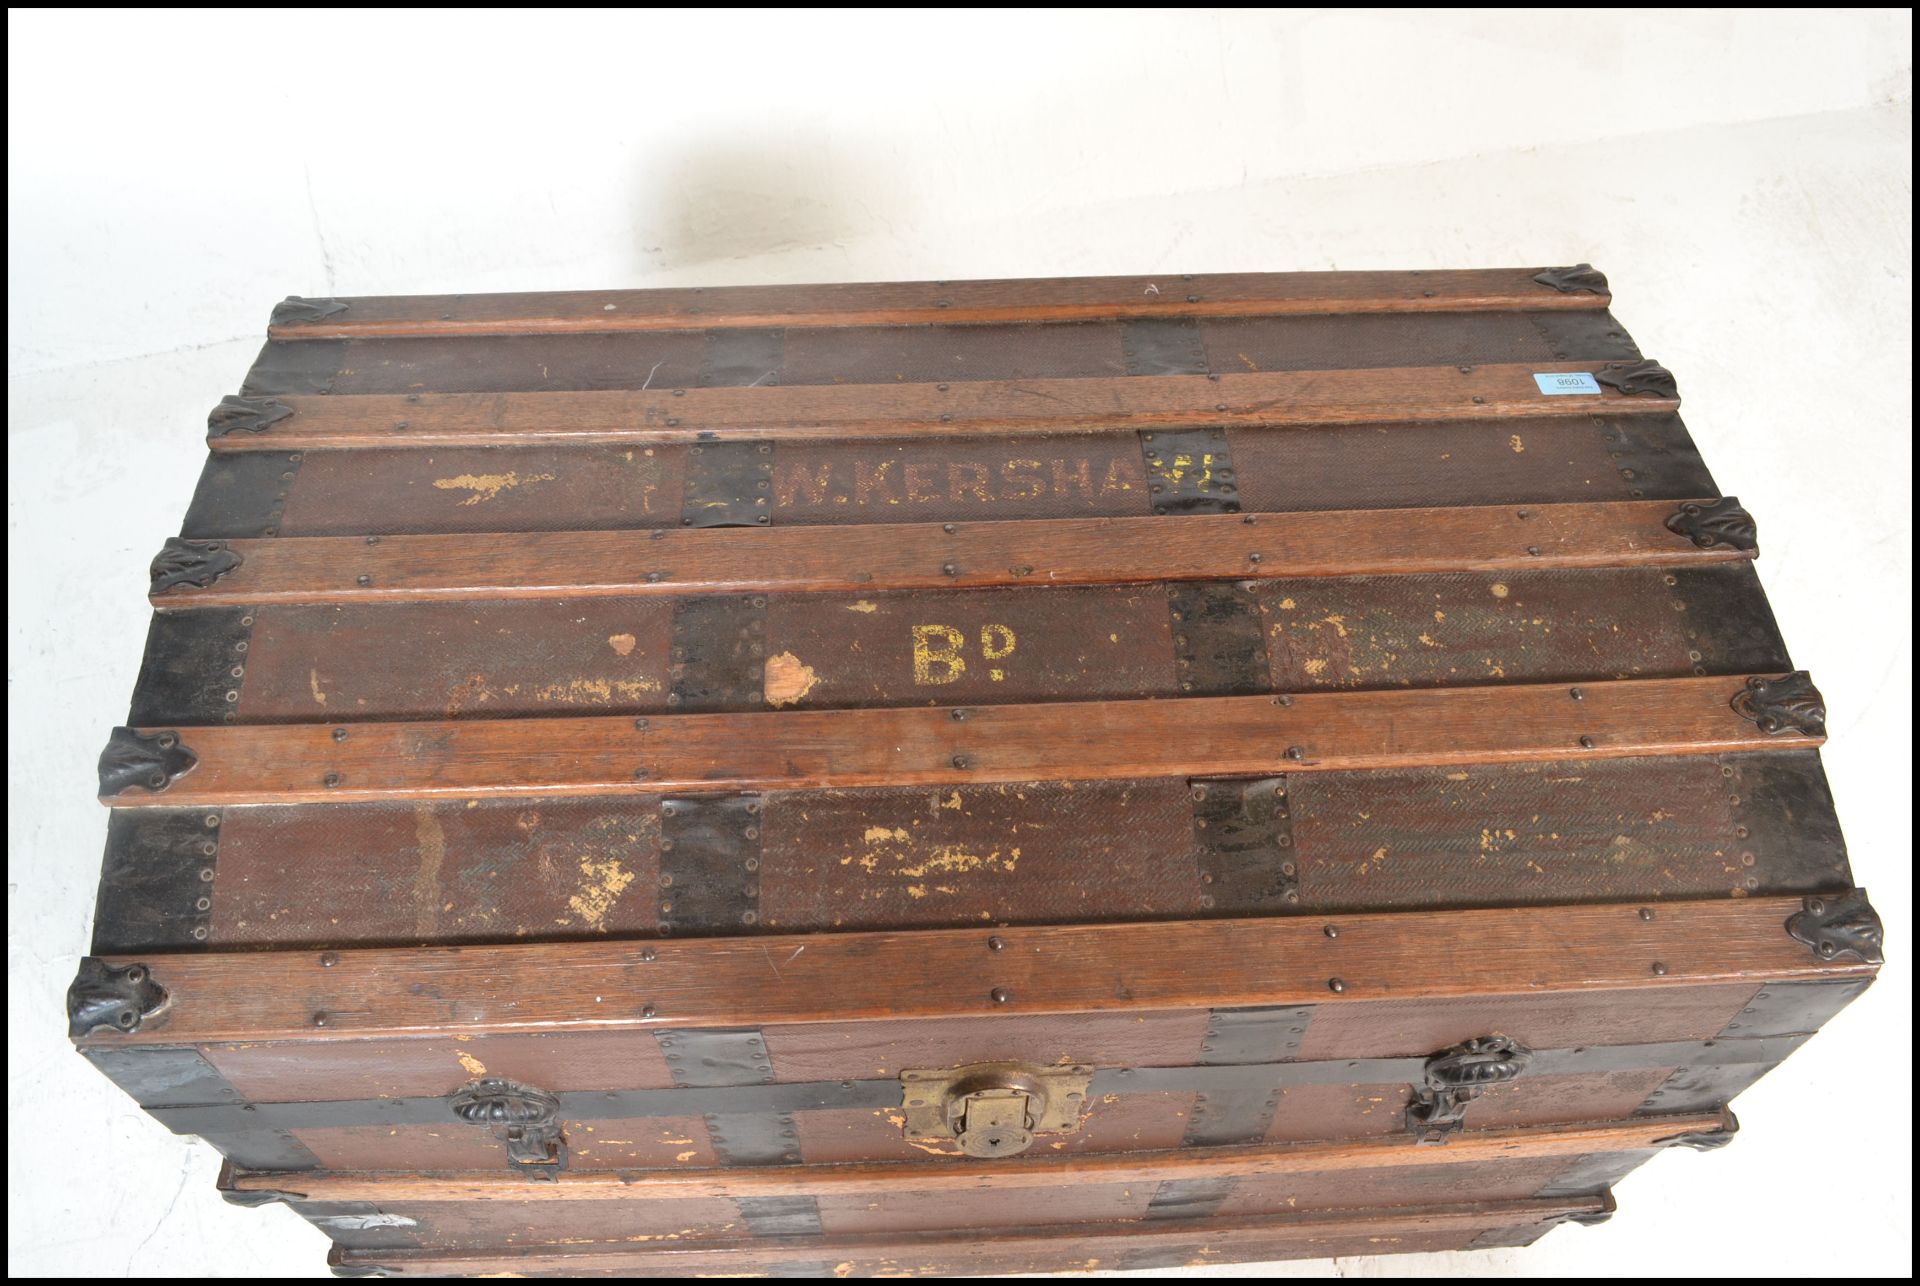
x=994, y=1121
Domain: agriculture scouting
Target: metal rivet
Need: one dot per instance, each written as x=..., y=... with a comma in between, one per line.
x=1578, y=694
x=1331, y=930
x=200, y=933
x=949, y=569
x=1336, y=985
x=647, y=955
x=339, y=734
x=1534, y=550
x=961, y=761
x=1193, y=299
x=206, y=874
x=648, y=1011
x=328, y=959
x=1586, y=743
x=995, y=943
x=319, y=1020
x=1296, y=752
x=1646, y=913
x=1000, y=995
x=333, y=779
x=363, y=580
x=1253, y=558
x=1659, y=968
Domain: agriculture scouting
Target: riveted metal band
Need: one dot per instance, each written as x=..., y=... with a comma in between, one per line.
x=156, y=881
x=743, y=358
x=1163, y=346
x=709, y=864
x=1219, y=639
x=304, y=366
x=241, y=494
x=728, y=484
x=194, y=668
x=1781, y=1015
x=1262, y=1035
x=1190, y=471
x=718, y=654
x=1243, y=841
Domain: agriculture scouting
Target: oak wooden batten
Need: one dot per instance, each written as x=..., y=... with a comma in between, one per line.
x=720, y=982
x=1013, y=1172
x=909, y=303
x=789, y=749
x=920, y=1254
x=1066, y=551
x=1294, y=399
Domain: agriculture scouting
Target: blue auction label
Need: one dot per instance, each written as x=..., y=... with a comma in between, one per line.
x=1560, y=385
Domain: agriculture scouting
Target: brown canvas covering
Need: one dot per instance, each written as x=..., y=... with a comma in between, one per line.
x=961, y=777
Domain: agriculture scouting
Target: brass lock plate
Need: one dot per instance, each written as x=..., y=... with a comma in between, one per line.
x=994, y=1108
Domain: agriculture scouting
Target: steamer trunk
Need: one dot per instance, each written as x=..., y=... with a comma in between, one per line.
x=958, y=778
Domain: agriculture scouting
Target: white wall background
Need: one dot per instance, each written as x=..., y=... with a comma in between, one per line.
x=1744, y=177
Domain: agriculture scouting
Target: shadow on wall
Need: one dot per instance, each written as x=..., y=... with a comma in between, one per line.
x=749, y=199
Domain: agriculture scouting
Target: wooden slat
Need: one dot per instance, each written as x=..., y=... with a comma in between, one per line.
x=1061, y=1247
x=1031, y=1171
x=845, y=977
x=1067, y=551
x=906, y=303
x=918, y=746
x=961, y=408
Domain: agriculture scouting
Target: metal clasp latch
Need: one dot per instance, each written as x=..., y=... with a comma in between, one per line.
x=992, y=1123
x=526, y=1119
x=994, y=1109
